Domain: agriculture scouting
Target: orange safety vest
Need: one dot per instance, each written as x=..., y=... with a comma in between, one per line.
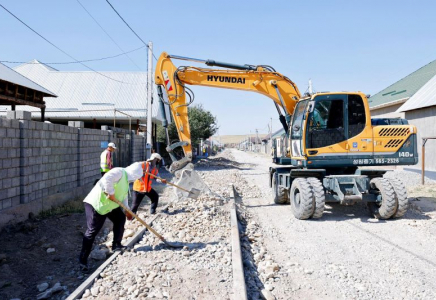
x=144, y=184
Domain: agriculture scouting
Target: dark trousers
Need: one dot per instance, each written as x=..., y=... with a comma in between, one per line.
x=138, y=196
x=94, y=222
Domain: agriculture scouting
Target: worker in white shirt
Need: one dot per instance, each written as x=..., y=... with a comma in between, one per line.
x=99, y=205
x=106, y=162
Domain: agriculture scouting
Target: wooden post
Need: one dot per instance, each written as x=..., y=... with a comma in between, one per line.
x=13, y=107
x=423, y=162
x=94, y=123
x=137, y=126
x=42, y=114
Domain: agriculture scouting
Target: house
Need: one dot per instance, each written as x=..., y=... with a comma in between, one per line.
x=16, y=89
x=96, y=98
x=413, y=98
x=385, y=103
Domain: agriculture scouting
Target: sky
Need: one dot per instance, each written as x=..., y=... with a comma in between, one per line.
x=339, y=45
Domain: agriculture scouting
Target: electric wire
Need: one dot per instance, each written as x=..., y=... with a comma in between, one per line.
x=101, y=27
x=45, y=39
x=72, y=62
x=129, y=26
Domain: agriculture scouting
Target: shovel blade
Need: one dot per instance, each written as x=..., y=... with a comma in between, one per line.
x=194, y=193
x=189, y=179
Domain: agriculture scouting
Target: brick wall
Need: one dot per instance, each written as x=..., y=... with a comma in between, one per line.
x=40, y=161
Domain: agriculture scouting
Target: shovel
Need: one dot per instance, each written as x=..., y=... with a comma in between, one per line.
x=192, y=193
x=170, y=244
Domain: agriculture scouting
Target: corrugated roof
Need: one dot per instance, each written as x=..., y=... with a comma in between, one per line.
x=278, y=133
x=404, y=88
x=424, y=97
x=10, y=75
x=77, y=87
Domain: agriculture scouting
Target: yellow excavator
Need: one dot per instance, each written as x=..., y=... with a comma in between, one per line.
x=329, y=145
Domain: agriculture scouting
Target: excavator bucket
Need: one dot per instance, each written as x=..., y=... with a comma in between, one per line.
x=189, y=179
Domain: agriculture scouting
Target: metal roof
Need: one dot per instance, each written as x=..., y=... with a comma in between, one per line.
x=278, y=133
x=404, y=88
x=425, y=97
x=9, y=75
x=87, y=94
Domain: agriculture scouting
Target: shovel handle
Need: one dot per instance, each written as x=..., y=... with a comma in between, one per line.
x=139, y=219
x=179, y=187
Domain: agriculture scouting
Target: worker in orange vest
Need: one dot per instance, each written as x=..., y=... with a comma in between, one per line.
x=142, y=186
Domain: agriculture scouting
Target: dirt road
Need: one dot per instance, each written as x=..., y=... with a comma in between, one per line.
x=345, y=254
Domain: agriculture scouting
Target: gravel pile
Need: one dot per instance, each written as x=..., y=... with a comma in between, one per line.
x=202, y=269
x=411, y=179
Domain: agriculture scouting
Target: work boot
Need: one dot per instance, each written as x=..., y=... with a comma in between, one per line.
x=83, y=268
x=152, y=211
x=117, y=246
x=83, y=264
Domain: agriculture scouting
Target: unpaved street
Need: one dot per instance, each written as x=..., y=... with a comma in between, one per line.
x=345, y=254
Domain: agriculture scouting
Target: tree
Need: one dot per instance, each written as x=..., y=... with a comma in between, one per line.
x=202, y=123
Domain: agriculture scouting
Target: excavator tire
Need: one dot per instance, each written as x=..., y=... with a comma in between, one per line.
x=301, y=195
x=388, y=206
x=318, y=197
x=279, y=193
x=402, y=199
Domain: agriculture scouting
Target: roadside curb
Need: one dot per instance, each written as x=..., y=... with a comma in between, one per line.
x=239, y=288
x=96, y=274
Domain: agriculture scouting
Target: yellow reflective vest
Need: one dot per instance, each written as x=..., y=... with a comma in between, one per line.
x=100, y=201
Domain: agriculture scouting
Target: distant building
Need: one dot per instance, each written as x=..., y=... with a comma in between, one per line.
x=413, y=98
x=90, y=96
x=385, y=104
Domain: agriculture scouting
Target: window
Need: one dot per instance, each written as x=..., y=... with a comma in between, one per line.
x=326, y=123
x=356, y=115
x=297, y=122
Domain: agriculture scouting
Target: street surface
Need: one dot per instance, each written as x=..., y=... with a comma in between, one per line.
x=346, y=254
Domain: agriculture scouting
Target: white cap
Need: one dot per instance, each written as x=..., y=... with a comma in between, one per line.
x=155, y=155
x=112, y=145
x=134, y=171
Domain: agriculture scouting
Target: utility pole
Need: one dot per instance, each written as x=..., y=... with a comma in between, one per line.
x=149, y=139
x=257, y=139
x=310, y=87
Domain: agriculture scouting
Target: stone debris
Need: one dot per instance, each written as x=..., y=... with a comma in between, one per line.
x=51, y=250
x=202, y=269
x=50, y=292
x=42, y=287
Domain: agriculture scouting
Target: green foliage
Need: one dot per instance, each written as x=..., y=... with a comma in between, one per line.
x=72, y=206
x=202, y=123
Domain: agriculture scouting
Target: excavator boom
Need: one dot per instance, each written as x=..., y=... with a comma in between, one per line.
x=261, y=79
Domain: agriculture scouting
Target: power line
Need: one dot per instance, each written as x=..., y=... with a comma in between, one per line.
x=89, y=68
x=101, y=27
x=72, y=62
x=128, y=25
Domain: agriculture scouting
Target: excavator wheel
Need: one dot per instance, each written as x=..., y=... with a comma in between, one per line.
x=318, y=197
x=279, y=193
x=388, y=205
x=402, y=199
x=301, y=196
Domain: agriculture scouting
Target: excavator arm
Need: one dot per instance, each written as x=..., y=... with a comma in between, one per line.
x=261, y=79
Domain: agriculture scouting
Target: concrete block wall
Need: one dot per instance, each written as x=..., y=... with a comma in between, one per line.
x=89, y=153
x=43, y=164
x=9, y=163
x=48, y=160
x=138, y=148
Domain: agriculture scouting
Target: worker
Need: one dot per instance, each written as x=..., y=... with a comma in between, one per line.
x=142, y=187
x=106, y=162
x=99, y=205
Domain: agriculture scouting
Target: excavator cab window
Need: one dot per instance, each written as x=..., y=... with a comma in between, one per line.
x=326, y=123
x=356, y=115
